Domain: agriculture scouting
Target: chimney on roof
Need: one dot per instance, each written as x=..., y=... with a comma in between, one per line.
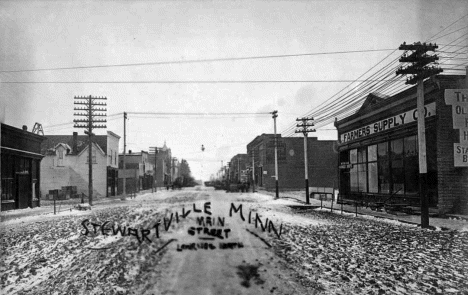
x=25, y=128
x=75, y=143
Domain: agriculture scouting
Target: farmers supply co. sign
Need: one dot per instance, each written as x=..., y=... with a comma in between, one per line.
x=387, y=123
x=458, y=99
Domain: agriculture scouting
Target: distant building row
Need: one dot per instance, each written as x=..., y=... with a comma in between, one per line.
x=34, y=166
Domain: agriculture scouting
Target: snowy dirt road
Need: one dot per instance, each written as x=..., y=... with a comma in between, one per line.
x=238, y=260
x=201, y=241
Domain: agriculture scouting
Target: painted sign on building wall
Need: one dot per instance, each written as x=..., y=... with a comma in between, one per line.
x=270, y=152
x=458, y=99
x=387, y=123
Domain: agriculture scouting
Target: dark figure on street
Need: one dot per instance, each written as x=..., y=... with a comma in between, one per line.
x=242, y=186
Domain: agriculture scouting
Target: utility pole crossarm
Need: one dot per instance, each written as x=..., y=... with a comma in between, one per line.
x=419, y=61
x=90, y=110
x=305, y=131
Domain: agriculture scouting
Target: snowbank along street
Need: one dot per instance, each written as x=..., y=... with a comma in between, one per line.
x=201, y=241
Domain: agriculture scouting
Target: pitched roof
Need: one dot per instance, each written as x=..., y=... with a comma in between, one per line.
x=371, y=99
x=82, y=142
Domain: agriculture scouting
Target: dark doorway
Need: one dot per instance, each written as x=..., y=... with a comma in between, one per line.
x=23, y=196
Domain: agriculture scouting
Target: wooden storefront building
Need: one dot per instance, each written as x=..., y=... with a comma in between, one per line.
x=20, y=168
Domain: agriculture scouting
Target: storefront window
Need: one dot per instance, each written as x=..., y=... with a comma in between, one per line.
x=353, y=172
x=384, y=176
x=411, y=165
x=373, y=177
x=372, y=169
x=389, y=167
x=35, y=166
x=372, y=153
x=411, y=144
x=398, y=176
x=362, y=177
x=358, y=173
x=7, y=177
x=398, y=172
x=362, y=155
x=22, y=165
x=353, y=175
x=397, y=147
x=382, y=149
x=383, y=168
x=353, y=156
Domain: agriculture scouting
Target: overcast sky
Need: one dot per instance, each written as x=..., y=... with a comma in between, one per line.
x=54, y=34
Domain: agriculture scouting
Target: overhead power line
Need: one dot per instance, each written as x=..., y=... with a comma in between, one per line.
x=453, y=45
x=188, y=82
x=336, y=102
x=194, y=61
x=452, y=32
x=454, y=22
x=196, y=114
x=199, y=114
x=346, y=104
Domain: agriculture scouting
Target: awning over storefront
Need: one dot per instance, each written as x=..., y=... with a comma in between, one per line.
x=23, y=153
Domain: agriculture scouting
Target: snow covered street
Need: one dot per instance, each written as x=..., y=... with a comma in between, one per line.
x=201, y=241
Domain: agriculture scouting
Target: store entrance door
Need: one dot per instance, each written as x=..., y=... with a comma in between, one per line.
x=23, y=195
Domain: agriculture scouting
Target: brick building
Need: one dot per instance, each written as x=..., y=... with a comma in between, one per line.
x=238, y=168
x=379, y=148
x=20, y=158
x=322, y=162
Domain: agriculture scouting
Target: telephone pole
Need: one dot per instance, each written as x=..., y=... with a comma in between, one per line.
x=275, y=115
x=419, y=69
x=154, y=150
x=238, y=169
x=306, y=123
x=124, y=193
x=203, y=162
x=90, y=110
x=253, y=171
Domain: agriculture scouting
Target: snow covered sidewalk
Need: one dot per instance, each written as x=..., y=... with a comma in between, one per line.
x=437, y=222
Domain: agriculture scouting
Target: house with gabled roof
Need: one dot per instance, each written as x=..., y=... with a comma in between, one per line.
x=66, y=163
